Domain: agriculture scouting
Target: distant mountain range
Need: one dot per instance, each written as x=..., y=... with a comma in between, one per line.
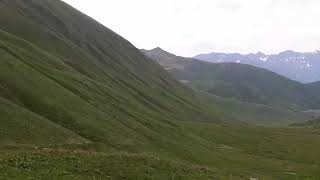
x=240, y=81
x=302, y=67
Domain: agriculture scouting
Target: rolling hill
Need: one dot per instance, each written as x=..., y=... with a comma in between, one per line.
x=77, y=101
x=309, y=124
x=242, y=82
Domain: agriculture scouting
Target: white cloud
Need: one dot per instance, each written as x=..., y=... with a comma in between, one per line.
x=190, y=27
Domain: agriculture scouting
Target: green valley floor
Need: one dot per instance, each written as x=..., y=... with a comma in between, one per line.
x=226, y=152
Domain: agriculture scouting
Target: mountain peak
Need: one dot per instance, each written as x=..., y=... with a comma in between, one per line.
x=288, y=52
x=316, y=52
x=299, y=66
x=157, y=49
x=161, y=51
x=260, y=54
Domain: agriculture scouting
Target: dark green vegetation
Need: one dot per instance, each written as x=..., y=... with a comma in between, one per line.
x=309, y=124
x=59, y=66
x=222, y=152
x=84, y=165
x=242, y=82
x=78, y=101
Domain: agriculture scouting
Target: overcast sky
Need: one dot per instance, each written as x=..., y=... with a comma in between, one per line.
x=191, y=27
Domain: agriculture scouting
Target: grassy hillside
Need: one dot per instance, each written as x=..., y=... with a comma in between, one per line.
x=64, y=67
x=65, y=165
x=222, y=152
x=77, y=101
x=21, y=126
x=242, y=82
x=309, y=124
x=102, y=89
x=253, y=113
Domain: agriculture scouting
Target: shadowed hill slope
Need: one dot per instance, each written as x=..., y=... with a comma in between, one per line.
x=243, y=82
x=68, y=69
x=65, y=67
x=309, y=124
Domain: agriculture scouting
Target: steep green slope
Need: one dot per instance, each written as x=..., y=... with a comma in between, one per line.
x=88, y=80
x=25, y=127
x=65, y=67
x=242, y=82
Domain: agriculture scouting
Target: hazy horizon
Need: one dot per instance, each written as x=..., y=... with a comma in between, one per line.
x=192, y=27
x=234, y=52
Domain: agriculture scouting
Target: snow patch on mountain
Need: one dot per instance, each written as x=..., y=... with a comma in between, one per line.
x=264, y=59
x=316, y=52
x=303, y=67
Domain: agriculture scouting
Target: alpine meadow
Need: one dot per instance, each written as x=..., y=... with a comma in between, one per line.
x=78, y=101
